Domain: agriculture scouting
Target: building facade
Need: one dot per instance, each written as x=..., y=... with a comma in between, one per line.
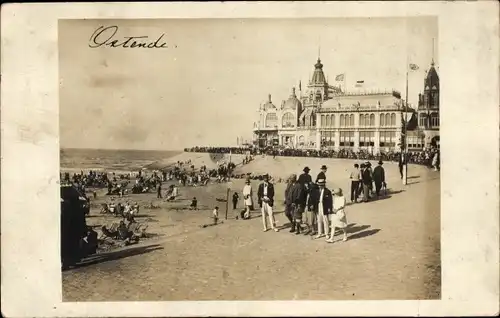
x=325, y=117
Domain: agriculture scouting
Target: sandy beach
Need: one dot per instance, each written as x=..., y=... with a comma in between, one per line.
x=392, y=251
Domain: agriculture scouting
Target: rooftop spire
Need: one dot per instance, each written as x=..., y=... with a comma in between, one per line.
x=432, y=62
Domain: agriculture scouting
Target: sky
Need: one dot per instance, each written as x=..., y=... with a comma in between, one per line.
x=206, y=87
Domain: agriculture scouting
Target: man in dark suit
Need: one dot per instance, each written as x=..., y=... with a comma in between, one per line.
x=378, y=177
x=305, y=180
x=321, y=174
x=265, y=196
x=324, y=207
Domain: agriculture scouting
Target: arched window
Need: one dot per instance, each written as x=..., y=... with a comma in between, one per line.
x=328, y=121
x=372, y=120
x=387, y=119
x=382, y=121
x=333, y=120
x=436, y=99
x=342, y=121
x=288, y=120
x=323, y=120
x=302, y=140
x=393, y=119
x=271, y=120
x=351, y=120
x=361, y=119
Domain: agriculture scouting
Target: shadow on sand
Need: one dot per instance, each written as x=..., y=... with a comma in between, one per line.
x=119, y=254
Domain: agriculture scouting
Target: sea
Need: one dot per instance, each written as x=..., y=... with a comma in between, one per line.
x=110, y=160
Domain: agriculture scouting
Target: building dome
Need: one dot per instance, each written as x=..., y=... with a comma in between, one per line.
x=292, y=102
x=268, y=105
x=318, y=75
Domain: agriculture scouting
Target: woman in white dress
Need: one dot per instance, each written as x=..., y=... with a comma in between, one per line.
x=247, y=196
x=338, y=217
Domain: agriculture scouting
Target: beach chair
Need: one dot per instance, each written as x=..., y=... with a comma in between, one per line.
x=110, y=231
x=104, y=208
x=138, y=229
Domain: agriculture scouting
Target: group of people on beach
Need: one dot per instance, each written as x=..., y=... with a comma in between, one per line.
x=311, y=207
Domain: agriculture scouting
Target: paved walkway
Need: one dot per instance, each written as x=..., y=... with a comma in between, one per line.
x=392, y=253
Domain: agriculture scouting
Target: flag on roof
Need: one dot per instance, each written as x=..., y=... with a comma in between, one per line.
x=339, y=77
x=360, y=83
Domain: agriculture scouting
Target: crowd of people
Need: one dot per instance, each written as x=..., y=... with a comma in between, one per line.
x=312, y=208
x=429, y=157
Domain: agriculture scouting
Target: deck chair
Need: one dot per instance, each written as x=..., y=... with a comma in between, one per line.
x=138, y=229
x=104, y=208
x=110, y=231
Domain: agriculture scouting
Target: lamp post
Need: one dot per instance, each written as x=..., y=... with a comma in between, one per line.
x=229, y=185
x=404, y=151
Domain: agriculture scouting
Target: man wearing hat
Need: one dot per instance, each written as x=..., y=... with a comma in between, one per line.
x=321, y=174
x=289, y=200
x=366, y=178
x=379, y=177
x=305, y=180
x=324, y=206
x=265, y=195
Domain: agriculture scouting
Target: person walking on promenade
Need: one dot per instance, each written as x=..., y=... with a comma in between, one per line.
x=379, y=177
x=401, y=164
x=288, y=200
x=321, y=174
x=324, y=208
x=265, y=195
x=366, y=176
x=247, y=196
x=312, y=207
x=355, y=183
x=338, y=217
x=236, y=197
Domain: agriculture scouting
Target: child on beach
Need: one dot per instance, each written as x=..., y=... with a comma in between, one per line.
x=338, y=217
x=216, y=215
x=194, y=204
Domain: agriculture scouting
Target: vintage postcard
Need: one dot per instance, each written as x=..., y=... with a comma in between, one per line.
x=262, y=157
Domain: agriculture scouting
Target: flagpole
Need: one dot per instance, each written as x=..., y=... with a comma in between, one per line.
x=405, y=181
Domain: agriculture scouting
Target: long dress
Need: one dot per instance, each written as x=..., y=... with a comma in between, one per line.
x=339, y=219
x=247, y=195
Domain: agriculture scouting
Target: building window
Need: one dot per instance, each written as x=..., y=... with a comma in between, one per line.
x=372, y=120
x=361, y=120
x=436, y=99
x=327, y=139
x=346, y=139
x=366, y=138
x=393, y=119
x=422, y=120
x=387, y=139
x=332, y=120
x=351, y=120
x=387, y=119
x=302, y=141
x=342, y=120
x=328, y=121
x=288, y=120
x=271, y=120
x=434, y=120
x=382, y=120
x=323, y=121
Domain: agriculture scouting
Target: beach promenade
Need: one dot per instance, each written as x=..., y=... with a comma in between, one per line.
x=392, y=251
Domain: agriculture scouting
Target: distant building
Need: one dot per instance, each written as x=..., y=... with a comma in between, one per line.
x=325, y=117
x=426, y=134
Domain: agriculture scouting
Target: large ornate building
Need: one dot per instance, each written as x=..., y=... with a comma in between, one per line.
x=325, y=117
x=426, y=134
